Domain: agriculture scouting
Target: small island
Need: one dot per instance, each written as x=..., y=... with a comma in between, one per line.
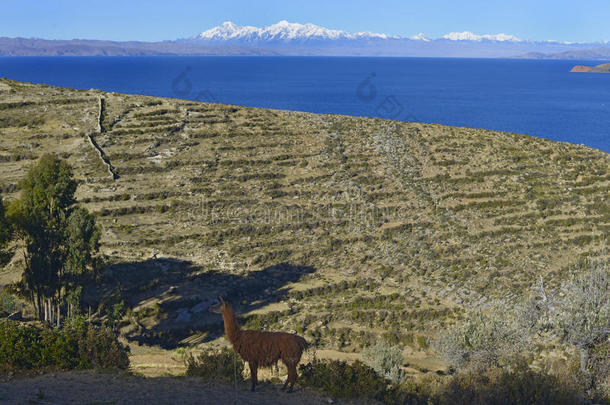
x=603, y=68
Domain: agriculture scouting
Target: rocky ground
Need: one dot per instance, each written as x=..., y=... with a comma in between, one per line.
x=90, y=388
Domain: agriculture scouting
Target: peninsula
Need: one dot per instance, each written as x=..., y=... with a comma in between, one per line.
x=603, y=68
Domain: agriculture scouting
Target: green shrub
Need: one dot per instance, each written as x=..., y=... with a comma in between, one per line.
x=343, y=380
x=223, y=365
x=78, y=345
x=99, y=348
x=20, y=347
x=7, y=302
x=386, y=360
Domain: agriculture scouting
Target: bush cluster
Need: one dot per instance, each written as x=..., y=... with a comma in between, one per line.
x=8, y=304
x=494, y=386
x=498, y=386
x=344, y=380
x=78, y=345
x=385, y=360
x=216, y=365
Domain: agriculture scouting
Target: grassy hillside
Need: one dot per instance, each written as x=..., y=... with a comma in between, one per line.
x=340, y=228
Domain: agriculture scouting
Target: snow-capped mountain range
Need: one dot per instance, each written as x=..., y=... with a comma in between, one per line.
x=289, y=38
x=287, y=31
x=283, y=30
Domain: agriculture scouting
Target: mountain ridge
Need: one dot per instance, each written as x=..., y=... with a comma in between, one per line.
x=598, y=53
x=89, y=47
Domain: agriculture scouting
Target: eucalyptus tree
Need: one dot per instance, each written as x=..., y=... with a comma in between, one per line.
x=59, y=238
x=82, y=242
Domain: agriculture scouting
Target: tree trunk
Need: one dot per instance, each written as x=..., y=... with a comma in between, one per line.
x=36, y=306
x=58, y=314
x=50, y=305
x=39, y=306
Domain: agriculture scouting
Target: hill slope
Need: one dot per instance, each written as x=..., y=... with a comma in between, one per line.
x=340, y=228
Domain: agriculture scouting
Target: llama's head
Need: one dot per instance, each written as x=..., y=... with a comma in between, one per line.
x=228, y=316
x=220, y=306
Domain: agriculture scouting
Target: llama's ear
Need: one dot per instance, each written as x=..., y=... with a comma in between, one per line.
x=221, y=300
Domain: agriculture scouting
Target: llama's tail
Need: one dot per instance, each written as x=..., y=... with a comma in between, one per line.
x=309, y=349
x=303, y=345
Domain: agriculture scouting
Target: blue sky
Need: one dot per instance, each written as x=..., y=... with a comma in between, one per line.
x=152, y=20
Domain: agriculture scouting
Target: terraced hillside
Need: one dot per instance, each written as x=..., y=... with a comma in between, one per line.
x=341, y=228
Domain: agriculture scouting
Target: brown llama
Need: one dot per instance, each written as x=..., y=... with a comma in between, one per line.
x=262, y=349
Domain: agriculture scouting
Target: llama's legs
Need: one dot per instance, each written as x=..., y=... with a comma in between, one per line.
x=288, y=377
x=253, y=374
x=292, y=376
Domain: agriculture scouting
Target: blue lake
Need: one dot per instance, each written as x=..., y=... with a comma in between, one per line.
x=535, y=97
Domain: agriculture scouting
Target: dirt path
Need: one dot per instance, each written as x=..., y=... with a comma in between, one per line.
x=89, y=388
x=100, y=151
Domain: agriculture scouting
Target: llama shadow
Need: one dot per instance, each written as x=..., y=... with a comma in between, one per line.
x=169, y=299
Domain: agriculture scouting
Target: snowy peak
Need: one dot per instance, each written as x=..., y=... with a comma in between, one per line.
x=283, y=31
x=287, y=30
x=367, y=34
x=469, y=36
x=228, y=30
x=420, y=37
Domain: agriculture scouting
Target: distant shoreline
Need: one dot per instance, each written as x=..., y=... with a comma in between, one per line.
x=333, y=48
